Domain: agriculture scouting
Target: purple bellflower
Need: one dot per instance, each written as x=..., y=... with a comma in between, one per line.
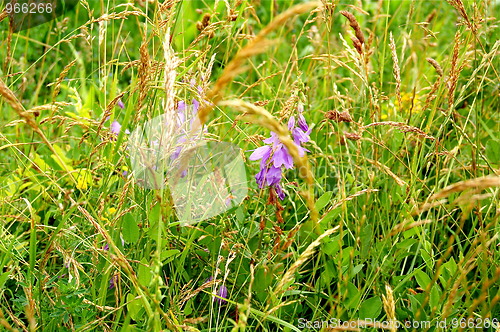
x=274, y=156
x=222, y=293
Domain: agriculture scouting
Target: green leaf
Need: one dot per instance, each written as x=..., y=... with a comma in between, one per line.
x=61, y=158
x=353, y=296
x=323, y=200
x=267, y=316
x=429, y=262
x=331, y=248
x=263, y=279
x=493, y=151
x=144, y=274
x=370, y=308
x=406, y=244
x=435, y=297
x=134, y=306
x=130, y=230
x=356, y=269
x=154, y=214
x=240, y=214
x=451, y=266
x=366, y=236
x=328, y=273
x=422, y=279
x=3, y=278
x=329, y=216
x=166, y=254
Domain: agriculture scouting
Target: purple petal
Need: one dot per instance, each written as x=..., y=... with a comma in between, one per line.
x=302, y=151
x=116, y=127
x=299, y=136
x=120, y=104
x=282, y=157
x=279, y=192
x=273, y=139
x=273, y=176
x=291, y=123
x=176, y=153
x=259, y=178
x=196, y=106
x=181, y=106
x=222, y=292
x=112, y=281
x=261, y=153
x=302, y=123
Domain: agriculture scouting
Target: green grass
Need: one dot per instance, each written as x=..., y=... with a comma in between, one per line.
x=439, y=255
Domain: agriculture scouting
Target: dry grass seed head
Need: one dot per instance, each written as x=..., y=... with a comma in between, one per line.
x=288, y=276
x=455, y=70
x=354, y=25
x=143, y=74
x=61, y=77
x=337, y=116
x=477, y=183
x=170, y=73
x=403, y=127
x=390, y=307
x=436, y=66
x=459, y=6
x=396, y=69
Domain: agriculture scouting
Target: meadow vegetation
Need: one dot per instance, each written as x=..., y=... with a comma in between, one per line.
x=389, y=220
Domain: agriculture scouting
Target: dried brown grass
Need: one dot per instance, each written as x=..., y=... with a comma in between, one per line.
x=62, y=76
x=396, y=70
x=403, y=127
x=455, y=70
x=459, y=6
x=436, y=66
x=434, y=88
x=143, y=75
x=388, y=171
x=476, y=184
x=311, y=248
x=390, y=308
x=109, y=108
x=256, y=46
x=404, y=226
x=348, y=198
x=170, y=73
x=359, y=39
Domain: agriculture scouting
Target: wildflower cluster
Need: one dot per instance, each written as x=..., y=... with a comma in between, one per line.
x=274, y=156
